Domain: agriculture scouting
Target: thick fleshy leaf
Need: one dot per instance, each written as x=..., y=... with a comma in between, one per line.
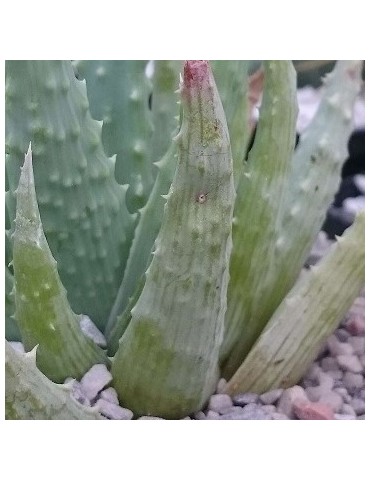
x=42, y=311
x=29, y=395
x=150, y=219
x=257, y=215
x=231, y=78
x=118, y=92
x=167, y=360
x=311, y=312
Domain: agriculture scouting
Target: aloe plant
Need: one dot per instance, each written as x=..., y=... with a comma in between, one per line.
x=187, y=257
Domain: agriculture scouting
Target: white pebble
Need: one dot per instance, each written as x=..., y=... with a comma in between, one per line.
x=110, y=395
x=350, y=363
x=268, y=408
x=76, y=391
x=348, y=410
x=91, y=330
x=353, y=380
x=335, y=374
x=112, y=411
x=313, y=372
x=219, y=402
x=200, y=416
x=354, y=205
x=325, y=380
x=358, y=344
x=148, y=417
x=338, y=348
x=269, y=398
x=245, y=398
x=333, y=399
x=329, y=364
x=341, y=416
x=95, y=380
x=343, y=393
x=211, y=415
x=278, y=416
x=221, y=385
x=314, y=393
x=358, y=405
x=288, y=398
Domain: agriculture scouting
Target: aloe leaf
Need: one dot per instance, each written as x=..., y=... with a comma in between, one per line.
x=311, y=312
x=124, y=319
x=82, y=207
x=165, y=82
x=118, y=93
x=164, y=106
x=150, y=219
x=11, y=329
x=258, y=212
x=167, y=360
x=42, y=310
x=309, y=189
x=231, y=78
x=29, y=395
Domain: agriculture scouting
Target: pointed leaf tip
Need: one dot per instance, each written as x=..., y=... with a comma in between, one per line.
x=196, y=72
x=28, y=157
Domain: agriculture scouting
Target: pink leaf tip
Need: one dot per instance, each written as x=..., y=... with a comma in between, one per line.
x=196, y=72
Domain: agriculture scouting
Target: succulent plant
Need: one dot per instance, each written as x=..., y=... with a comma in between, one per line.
x=146, y=217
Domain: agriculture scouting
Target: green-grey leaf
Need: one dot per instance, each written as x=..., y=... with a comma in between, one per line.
x=118, y=92
x=29, y=395
x=258, y=212
x=307, y=316
x=165, y=108
x=150, y=219
x=11, y=329
x=167, y=360
x=231, y=78
x=42, y=310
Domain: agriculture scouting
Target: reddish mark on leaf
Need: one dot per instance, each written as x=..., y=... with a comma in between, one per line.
x=195, y=72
